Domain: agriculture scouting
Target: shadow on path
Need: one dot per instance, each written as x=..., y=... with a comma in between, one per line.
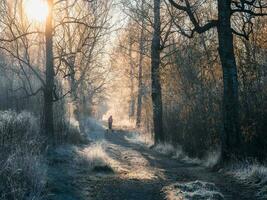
x=140, y=173
x=176, y=171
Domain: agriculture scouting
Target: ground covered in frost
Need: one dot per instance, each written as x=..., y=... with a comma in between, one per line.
x=196, y=190
x=115, y=166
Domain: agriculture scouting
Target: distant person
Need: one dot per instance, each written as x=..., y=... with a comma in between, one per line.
x=110, y=121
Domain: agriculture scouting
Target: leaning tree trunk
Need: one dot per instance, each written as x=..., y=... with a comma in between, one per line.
x=140, y=70
x=155, y=76
x=231, y=131
x=49, y=86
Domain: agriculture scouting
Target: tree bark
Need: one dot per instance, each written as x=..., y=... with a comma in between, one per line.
x=155, y=75
x=140, y=70
x=49, y=86
x=132, y=101
x=231, y=130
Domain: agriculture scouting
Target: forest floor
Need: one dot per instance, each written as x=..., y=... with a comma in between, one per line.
x=132, y=171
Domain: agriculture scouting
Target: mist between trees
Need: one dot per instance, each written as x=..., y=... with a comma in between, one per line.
x=206, y=76
x=189, y=73
x=182, y=73
x=53, y=69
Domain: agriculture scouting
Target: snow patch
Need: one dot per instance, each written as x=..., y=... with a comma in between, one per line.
x=193, y=190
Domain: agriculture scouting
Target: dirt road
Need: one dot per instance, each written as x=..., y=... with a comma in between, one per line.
x=138, y=173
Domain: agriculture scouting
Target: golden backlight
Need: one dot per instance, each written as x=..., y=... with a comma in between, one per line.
x=36, y=10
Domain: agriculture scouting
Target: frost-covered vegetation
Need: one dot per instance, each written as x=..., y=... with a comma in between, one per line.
x=197, y=190
x=139, y=137
x=191, y=79
x=210, y=159
x=95, y=157
x=251, y=173
x=186, y=93
x=22, y=168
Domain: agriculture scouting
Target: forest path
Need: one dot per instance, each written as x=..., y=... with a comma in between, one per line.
x=139, y=173
x=144, y=172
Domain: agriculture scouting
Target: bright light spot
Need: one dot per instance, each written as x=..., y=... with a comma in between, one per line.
x=36, y=10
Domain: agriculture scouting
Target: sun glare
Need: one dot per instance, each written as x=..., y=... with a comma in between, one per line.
x=36, y=10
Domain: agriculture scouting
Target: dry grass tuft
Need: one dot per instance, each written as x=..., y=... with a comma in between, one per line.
x=95, y=157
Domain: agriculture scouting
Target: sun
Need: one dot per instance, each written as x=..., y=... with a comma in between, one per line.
x=36, y=10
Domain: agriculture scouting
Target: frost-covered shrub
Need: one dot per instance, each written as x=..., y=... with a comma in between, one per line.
x=209, y=160
x=70, y=135
x=197, y=190
x=165, y=149
x=22, y=168
x=175, y=153
x=68, y=132
x=252, y=173
x=22, y=177
x=142, y=138
x=18, y=131
x=95, y=157
x=74, y=136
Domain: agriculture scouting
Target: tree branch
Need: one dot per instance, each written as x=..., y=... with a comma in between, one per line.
x=197, y=27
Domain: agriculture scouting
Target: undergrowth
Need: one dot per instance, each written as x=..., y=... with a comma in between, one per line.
x=22, y=168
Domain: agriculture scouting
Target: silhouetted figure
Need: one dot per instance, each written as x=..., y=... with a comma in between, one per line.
x=110, y=121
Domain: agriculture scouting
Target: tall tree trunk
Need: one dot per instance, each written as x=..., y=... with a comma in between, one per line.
x=132, y=101
x=155, y=75
x=140, y=70
x=49, y=86
x=231, y=130
x=71, y=58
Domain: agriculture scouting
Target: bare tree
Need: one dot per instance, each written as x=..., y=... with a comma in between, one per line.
x=140, y=68
x=23, y=42
x=155, y=74
x=132, y=76
x=49, y=74
x=231, y=136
